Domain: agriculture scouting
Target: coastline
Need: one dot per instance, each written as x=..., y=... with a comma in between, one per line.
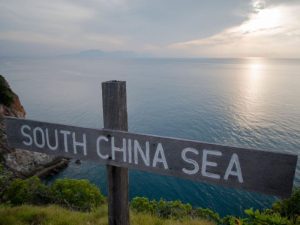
x=22, y=163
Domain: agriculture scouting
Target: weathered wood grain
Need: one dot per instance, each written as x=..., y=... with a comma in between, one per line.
x=115, y=117
x=262, y=171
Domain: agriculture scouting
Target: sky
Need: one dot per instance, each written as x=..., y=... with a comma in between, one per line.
x=162, y=28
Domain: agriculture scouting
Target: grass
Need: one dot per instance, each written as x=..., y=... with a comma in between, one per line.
x=56, y=215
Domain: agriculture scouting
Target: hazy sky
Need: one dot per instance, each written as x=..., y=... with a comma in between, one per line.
x=191, y=28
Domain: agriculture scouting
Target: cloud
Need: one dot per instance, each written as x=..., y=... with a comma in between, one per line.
x=170, y=27
x=271, y=31
x=42, y=15
x=138, y=25
x=55, y=24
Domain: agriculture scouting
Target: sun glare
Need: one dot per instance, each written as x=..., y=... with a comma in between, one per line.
x=255, y=68
x=263, y=20
x=254, y=77
x=252, y=89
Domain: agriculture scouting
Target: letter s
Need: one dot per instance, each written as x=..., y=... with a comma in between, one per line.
x=190, y=161
x=29, y=142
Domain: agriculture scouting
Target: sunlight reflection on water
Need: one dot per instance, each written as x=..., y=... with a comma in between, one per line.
x=252, y=103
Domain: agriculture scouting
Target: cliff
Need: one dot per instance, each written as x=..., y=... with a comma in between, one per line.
x=21, y=162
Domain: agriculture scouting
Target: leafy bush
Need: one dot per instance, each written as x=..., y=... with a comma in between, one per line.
x=231, y=220
x=285, y=212
x=207, y=214
x=84, y=196
x=76, y=194
x=6, y=95
x=5, y=179
x=31, y=191
x=265, y=217
x=142, y=204
x=161, y=208
x=290, y=207
x=172, y=209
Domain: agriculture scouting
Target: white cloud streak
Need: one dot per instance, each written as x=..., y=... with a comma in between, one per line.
x=58, y=23
x=268, y=32
x=270, y=28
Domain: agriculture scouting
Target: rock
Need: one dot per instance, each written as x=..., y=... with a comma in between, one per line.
x=77, y=161
x=21, y=162
x=10, y=104
x=53, y=169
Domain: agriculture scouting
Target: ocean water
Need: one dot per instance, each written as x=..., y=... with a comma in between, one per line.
x=251, y=103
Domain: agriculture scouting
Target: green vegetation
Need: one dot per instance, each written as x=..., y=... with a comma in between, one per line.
x=5, y=180
x=29, y=191
x=6, y=95
x=21, y=197
x=56, y=215
x=73, y=194
x=76, y=194
x=286, y=212
x=70, y=193
x=164, y=209
x=290, y=207
x=172, y=209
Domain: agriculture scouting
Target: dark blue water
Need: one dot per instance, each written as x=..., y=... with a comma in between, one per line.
x=252, y=103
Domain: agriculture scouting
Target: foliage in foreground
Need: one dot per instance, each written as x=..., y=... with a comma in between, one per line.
x=71, y=193
x=172, y=209
x=6, y=95
x=56, y=215
x=76, y=194
x=83, y=196
x=31, y=191
x=290, y=207
x=286, y=212
x=5, y=179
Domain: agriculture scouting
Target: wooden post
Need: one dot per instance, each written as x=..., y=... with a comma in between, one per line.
x=115, y=117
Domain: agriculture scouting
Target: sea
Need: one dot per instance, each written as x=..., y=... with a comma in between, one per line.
x=246, y=102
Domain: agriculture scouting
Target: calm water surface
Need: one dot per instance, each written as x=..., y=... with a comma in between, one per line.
x=251, y=103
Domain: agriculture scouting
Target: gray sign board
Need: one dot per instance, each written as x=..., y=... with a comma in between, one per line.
x=254, y=170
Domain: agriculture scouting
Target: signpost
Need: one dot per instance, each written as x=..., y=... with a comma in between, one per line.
x=115, y=117
x=254, y=170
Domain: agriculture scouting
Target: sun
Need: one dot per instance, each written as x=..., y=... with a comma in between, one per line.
x=264, y=20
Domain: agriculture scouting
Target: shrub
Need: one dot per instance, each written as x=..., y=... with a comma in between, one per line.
x=265, y=217
x=178, y=210
x=290, y=207
x=31, y=191
x=161, y=208
x=76, y=194
x=142, y=204
x=5, y=179
x=207, y=214
x=173, y=209
x=231, y=220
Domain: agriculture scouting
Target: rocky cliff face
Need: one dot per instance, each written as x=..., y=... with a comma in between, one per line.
x=21, y=162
